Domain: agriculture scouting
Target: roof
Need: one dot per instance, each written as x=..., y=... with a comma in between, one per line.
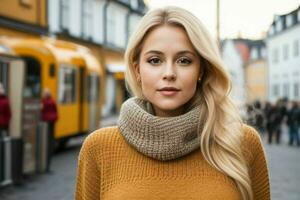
x=283, y=19
x=58, y=50
x=244, y=46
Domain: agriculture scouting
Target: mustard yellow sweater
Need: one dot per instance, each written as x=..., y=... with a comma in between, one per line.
x=110, y=169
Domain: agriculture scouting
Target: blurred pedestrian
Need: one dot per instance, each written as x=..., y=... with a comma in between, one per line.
x=293, y=124
x=268, y=120
x=5, y=112
x=275, y=118
x=259, y=117
x=250, y=115
x=49, y=115
x=180, y=137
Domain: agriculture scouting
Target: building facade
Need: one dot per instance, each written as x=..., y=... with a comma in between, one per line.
x=104, y=26
x=246, y=64
x=283, y=47
x=256, y=73
x=23, y=18
x=234, y=63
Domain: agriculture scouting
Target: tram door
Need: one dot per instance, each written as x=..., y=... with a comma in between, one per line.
x=31, y=112
x=12, y=79
x=93, y=99
x=81, y=97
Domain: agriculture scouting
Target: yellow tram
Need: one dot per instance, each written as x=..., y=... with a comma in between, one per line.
x=71, y=73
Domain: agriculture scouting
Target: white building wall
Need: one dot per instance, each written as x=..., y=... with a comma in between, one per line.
x=284, y=71
x=234, y=66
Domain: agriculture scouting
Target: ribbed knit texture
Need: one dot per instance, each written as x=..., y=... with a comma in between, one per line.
x=111, y=169
x=162, y=138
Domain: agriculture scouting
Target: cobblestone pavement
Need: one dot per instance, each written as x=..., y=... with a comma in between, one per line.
x=284, y=165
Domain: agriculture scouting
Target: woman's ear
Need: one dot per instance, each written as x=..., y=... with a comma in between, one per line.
x=137, y=71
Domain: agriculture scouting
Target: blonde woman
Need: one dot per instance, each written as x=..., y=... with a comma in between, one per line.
x=180, y=136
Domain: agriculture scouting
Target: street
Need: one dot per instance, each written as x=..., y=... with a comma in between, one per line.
x=284, y=165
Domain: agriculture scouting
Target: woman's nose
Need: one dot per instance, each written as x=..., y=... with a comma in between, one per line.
x=169, y=72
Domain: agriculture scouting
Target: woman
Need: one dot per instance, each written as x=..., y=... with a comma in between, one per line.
x=5, y=113
x=50, y=116
x=180, y=137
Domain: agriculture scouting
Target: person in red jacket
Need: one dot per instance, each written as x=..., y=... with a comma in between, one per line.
x=49, y=115
x=5, y=113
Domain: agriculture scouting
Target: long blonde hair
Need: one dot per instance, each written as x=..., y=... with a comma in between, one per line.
x=220, y=136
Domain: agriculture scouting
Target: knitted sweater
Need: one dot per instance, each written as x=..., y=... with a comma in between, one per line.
x=110, y=169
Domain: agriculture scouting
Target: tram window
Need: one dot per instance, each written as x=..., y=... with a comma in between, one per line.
x=97, y=87
x=52, y=70
x=67, y=84
x=93, y=88
x=32, y=87
x=3, y=74
x=32, y=81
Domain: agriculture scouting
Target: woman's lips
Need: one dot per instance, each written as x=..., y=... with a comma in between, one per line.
x=168, y=91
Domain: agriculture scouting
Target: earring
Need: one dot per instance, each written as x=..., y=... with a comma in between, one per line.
x=199, y=80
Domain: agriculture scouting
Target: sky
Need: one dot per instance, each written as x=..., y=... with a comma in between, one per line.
x=245, y=18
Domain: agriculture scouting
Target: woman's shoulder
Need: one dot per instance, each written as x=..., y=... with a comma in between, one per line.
x=251, y=142
x=102, y=138
x=250, y=134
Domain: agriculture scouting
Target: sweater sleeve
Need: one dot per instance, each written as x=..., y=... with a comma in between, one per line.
x=258, y=168
x=88, y=175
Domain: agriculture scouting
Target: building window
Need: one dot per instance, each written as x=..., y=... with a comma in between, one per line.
x=254, y=53
x=298, y=15
x=87, y=17
x=65, y=14
x=285, y=90
x=275, y=90
x=289, y=20
x=278, y=25
x=26, y=3
x=4, y=74
x=67, y=84
x=296, y=90
x=111, y=27
x=134, y=4
x=285, y=52
x=296, y=47
x=275, y=56
x=272, y=30
x=263, y=52
x=125, y=1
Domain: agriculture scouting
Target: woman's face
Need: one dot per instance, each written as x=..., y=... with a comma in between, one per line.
x=169, y=68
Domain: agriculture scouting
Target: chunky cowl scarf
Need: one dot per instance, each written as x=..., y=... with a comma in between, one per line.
x=161, y=138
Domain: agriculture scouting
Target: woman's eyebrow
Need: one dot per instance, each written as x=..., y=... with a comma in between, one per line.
x=187, y=52
x=178, y=53
x=154, y=52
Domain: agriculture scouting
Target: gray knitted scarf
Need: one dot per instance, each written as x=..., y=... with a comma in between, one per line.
x=161, y=138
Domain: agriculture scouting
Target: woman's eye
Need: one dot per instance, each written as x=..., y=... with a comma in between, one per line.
x=154, y=61
x=184, y=61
